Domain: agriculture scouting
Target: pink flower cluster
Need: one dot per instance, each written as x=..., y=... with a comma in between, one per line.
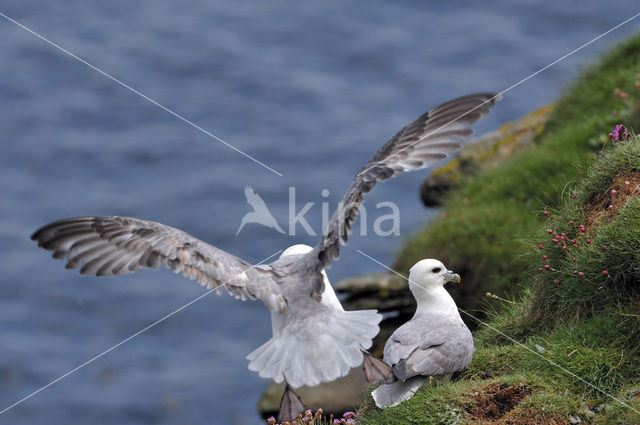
x=619, y=133
x=566, y=245
x=348, y=418
x=621, y=94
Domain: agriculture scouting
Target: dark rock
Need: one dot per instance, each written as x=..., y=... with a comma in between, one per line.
x=382, y=291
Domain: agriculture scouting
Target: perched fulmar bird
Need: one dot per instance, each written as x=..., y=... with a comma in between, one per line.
x=314, y=340
x=434, y=343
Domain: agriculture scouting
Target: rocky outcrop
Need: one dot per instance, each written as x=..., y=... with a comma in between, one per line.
x=485, y=151
x=378, y=290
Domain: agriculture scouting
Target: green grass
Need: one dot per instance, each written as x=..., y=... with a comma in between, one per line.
x=456, y=403
x=565, y=344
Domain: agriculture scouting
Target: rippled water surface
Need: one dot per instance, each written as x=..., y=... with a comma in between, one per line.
x=311, y=90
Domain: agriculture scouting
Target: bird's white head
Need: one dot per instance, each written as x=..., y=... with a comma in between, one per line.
x=296, y=250
x=429, y=275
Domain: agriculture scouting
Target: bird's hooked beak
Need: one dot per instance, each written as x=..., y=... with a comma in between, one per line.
x=452, y=277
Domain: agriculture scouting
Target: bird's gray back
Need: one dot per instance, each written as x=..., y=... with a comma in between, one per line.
x=300, y=281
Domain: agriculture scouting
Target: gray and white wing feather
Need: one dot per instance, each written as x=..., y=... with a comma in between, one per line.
x=408, y=338
x=105, y=246
x=429, y=347
x=432, y=137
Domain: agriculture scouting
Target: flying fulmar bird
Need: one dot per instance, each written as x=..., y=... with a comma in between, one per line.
x=434, y=343
x=314, y=339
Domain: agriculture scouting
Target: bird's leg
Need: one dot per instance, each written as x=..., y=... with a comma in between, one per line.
x=291, y=405
x=376, y=370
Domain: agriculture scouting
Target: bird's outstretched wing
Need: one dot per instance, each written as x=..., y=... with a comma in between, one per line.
x=121, y=245
x=432, y=137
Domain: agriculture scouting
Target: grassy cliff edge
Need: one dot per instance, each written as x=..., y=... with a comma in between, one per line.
x=560, y=222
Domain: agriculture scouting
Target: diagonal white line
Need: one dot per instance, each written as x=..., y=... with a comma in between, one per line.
x=175, y=114
x=509, y=338
x=91, y=360
x=499, y=95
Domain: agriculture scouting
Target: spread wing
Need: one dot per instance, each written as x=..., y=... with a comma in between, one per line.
x=432, y=137
x=105, y=246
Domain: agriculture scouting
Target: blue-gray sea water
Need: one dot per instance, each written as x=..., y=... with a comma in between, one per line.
x=311, y=89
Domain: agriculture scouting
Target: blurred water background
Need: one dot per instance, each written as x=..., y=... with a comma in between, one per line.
x=310, y=89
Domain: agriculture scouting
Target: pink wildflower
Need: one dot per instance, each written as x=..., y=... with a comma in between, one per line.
x=619, y=133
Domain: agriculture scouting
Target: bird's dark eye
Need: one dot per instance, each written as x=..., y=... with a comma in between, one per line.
x=436, y=270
